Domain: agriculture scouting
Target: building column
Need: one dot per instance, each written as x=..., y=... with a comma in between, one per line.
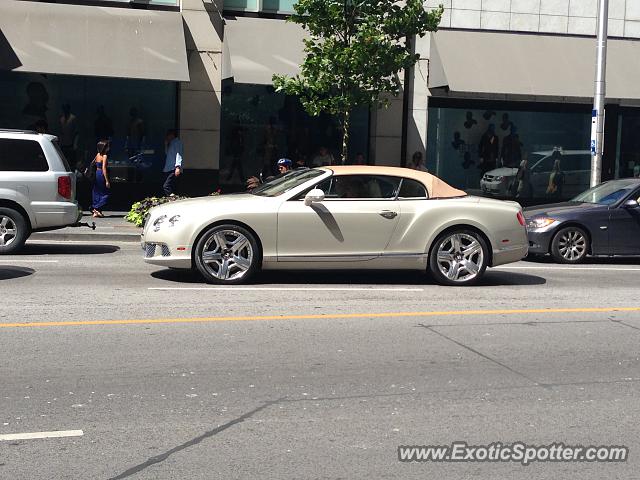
x=418, y=101
x=385, y=133
x=200, y=98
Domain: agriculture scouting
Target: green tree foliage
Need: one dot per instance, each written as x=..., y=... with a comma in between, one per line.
x=354, y=53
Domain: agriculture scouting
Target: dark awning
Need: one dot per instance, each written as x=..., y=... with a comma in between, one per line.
x=260, y=47
x=92, y=41
x=524, y=64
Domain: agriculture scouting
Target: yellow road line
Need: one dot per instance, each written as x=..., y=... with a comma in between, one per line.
x=444, y=313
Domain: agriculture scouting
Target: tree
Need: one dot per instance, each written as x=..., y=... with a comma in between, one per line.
x=354, y=54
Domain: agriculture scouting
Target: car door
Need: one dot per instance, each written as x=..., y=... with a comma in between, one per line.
x=354, y=222
x=624, y=228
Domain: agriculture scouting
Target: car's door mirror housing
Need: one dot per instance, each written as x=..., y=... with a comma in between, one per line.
x=631, y=203
x=314, y=196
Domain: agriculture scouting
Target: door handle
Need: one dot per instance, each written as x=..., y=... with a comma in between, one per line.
x=388, y=214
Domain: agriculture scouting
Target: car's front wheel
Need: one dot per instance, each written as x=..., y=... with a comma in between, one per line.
x=570, y=245
x=227, y=254
x=14, y=231
x=458, y=257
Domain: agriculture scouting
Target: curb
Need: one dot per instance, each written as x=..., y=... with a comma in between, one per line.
x=86, y=237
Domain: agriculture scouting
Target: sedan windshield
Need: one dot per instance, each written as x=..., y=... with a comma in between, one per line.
x=607, y=193
x=281, y=184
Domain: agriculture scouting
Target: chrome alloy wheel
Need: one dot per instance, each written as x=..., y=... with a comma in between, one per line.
x=227, y=255
x=572, y=245
x=460, y=257
x=8, y=231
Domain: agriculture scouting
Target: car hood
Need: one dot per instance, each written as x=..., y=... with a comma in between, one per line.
x=502, y=172
x=206, y=205
x=560, y=209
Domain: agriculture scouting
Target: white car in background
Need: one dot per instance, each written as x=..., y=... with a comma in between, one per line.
x=575, y=164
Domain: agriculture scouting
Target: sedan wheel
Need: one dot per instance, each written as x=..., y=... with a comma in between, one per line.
x=13, y=231
x=458, y=258
x=570, y=245
x=227, y=254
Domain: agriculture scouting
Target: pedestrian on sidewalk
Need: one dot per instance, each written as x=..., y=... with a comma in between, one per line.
x=100, y=179
x=173, y=162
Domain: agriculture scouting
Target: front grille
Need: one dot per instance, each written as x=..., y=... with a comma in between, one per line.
x=150, y=250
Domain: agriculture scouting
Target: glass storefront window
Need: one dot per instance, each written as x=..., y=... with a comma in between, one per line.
x=133, y=114
x=628, y=164
x=481, y=150
x=259, y=126
x=274, y=6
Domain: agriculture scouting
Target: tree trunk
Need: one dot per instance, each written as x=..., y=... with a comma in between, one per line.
x=345, y=136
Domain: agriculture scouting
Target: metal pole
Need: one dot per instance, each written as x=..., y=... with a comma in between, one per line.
x=597, y=116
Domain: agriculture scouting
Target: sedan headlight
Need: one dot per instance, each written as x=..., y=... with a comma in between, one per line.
x=498, y=178
x=539, y=222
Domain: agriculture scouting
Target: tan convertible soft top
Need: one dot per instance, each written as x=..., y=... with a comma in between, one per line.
x=435, y=187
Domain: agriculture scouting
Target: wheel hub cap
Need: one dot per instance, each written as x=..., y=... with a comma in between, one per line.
x=7, y=231
x=572, y=245
x=460, y=257
x=227, y=255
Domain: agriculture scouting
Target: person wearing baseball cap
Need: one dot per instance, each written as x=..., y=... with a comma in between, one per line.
x=284, y=165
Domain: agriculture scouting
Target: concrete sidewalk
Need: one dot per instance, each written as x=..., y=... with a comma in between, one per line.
x=113, y=227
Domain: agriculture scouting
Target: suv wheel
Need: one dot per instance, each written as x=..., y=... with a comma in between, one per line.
x=13, y=231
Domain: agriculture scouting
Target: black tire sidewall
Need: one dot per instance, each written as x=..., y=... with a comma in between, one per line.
x=254, y=261
x=22, y=234
x=434, y=270
x=555, y=251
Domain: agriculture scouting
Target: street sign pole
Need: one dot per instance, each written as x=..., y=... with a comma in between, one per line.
x=597, y=115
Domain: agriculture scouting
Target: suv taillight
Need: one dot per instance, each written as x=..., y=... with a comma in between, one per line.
x=64, y=187
x=521, y=218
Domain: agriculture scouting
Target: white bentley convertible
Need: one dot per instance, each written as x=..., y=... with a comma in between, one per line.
x=351, y=217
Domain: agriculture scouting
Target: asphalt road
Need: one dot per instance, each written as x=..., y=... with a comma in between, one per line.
x=155, y=375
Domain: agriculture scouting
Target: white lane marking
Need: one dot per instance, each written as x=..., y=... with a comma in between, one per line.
x=34, y=435
x=612, y=269
x=6, y=260
x=296, y=289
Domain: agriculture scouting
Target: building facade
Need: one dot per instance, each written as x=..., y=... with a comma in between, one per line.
x=500, y=82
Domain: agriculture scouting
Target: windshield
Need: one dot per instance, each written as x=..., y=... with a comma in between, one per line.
x=606, y=193
x=281, y=184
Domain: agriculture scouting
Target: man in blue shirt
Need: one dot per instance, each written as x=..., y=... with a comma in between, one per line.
x=173, y=161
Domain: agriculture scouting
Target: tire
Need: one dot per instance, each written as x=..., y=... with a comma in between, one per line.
x=227, y=264
x=458, y=257
x=14, y=231
x=570, y=245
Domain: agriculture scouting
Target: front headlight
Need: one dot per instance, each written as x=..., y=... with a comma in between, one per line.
x=159, y=221
x=539, y=222
x=499, y=178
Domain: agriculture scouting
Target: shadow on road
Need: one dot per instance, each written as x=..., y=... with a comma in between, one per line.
x=353, y=277
x=66, y=249
x=8, y=272
x=548, y=260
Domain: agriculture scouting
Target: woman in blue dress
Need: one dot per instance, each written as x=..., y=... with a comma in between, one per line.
x=101, y=184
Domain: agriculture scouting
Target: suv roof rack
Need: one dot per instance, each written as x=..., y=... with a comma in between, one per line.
x=17, y=130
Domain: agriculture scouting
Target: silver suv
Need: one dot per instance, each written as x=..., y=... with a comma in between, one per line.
x=37, y=188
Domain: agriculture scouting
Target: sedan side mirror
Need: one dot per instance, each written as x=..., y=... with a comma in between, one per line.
x=314, y=196
x=631, y=203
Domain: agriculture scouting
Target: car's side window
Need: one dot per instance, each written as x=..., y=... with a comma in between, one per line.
x=411, y=189
x=22, y=156
x=360, y=187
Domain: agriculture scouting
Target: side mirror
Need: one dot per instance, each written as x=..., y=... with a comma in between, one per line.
x=631, y=204
x=314, y=196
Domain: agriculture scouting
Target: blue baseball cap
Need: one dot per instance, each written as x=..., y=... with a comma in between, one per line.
x=285, y=161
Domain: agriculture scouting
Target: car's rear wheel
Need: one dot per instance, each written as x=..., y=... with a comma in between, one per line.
x=458, y=257
x=227, y=254
x=570, y=245
x=14, y=230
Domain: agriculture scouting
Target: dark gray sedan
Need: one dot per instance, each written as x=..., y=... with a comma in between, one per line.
x=603, y=221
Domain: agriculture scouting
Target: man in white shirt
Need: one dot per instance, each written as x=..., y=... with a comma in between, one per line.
x=173, y=161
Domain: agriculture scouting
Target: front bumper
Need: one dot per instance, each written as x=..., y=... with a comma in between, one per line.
x=165, y=255
x=540, y=241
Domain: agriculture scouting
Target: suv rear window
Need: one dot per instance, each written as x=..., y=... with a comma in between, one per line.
x=21, y=156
